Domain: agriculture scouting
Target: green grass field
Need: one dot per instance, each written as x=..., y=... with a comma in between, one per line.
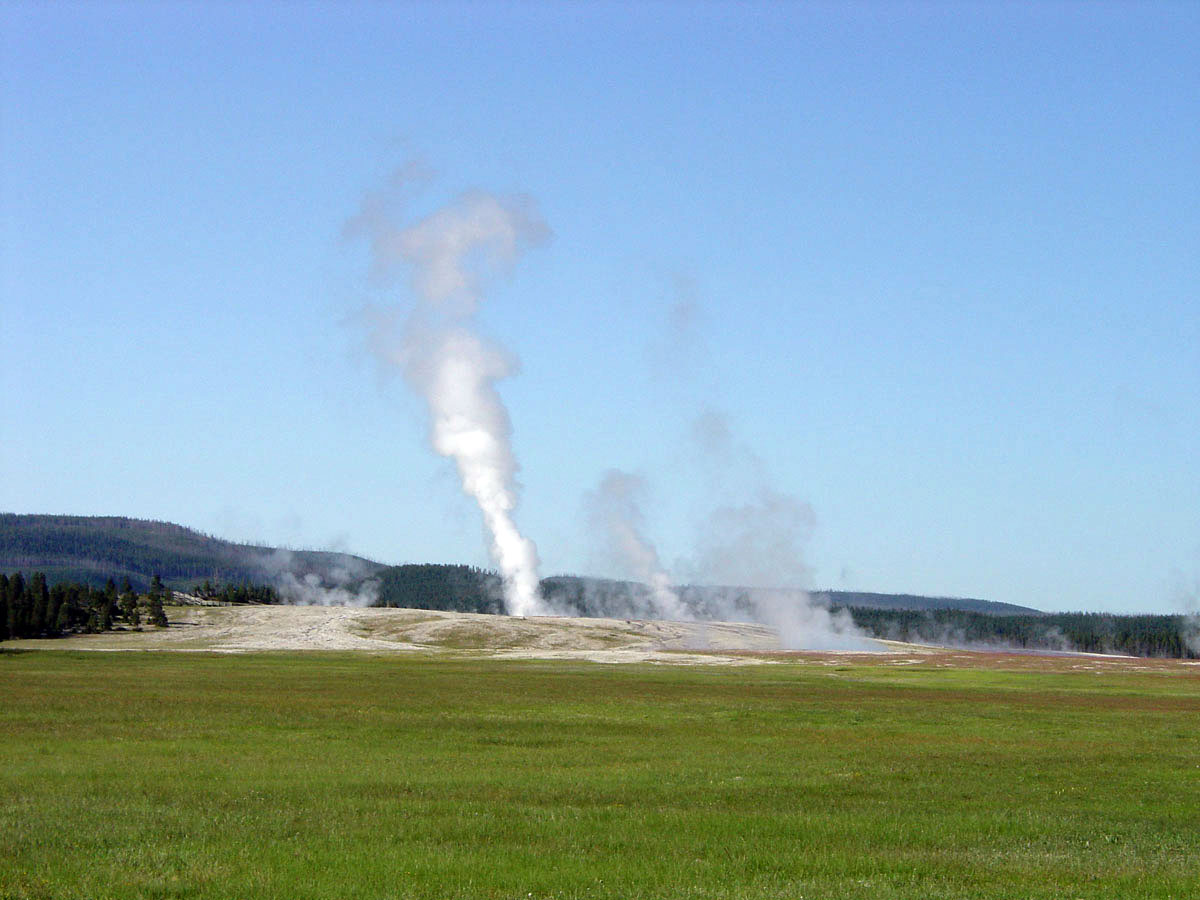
x=319, y=776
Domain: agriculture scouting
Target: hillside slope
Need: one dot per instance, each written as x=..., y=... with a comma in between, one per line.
x=866, y=600
x=467, y=589
x=605, y=597
x=92, y=549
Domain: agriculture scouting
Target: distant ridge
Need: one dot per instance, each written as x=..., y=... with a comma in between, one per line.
x=916, y=601
x=622, y=599
x=93, y=549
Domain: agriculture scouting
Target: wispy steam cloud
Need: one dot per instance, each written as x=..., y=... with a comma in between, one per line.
x=758, y=543
x=748, y=561
x=345, y=585
x=1188, y=599
x=451, y=254
x=614, y=511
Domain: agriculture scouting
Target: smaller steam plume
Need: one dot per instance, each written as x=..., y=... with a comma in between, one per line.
x=451, y=254
x=1189, y=602
x=346, y=584
x=758, y=545
x=312, y=590
x=757, y=541
x=748, y=561
x=614, y=510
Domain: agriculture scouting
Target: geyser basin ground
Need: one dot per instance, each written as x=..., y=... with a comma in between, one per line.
x=246, y=628
x=351, y=775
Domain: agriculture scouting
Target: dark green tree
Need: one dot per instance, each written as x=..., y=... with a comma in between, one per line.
x=17, y=614
x=58, y=595
x=39, y=603
x=158, y=616
x=3, y=606
x=106, y=606
x=75, y=605
x=129, y=605
x=62, y=619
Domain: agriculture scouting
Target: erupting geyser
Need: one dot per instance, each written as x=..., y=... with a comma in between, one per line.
x=450, y=254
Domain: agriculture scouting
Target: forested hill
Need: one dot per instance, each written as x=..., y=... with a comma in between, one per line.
x=92, y=549
x=623, y=599
x=468, y=589
x=864, y=600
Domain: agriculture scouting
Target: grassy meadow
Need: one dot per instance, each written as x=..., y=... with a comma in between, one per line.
x=313, y=775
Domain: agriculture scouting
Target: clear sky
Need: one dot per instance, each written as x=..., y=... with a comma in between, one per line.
x=935, y=266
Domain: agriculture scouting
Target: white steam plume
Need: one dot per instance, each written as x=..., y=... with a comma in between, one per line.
x=614, y=509
x=347, y=584
x=310, y=590
x=1188, y=598
x=759, y=544
x=450, y=254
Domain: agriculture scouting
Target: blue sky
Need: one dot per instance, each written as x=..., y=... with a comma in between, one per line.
x=935, y=265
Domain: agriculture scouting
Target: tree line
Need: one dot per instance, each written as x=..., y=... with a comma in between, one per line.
x=32, y=608
x=450, y=587
x=1146, y=635
x=229, y=593
x=470, y=589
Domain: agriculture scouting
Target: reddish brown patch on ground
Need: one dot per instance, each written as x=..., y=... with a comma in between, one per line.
x=1005, y=660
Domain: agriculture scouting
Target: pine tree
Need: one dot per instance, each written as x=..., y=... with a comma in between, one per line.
x=62, y=621
x=3, y=606
x=158, y=616
x=39, y=601
x=17, y=617
x=105, y=603
x=129, y=605
x=158, y=593
x=76, y=605
x=58, y=595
